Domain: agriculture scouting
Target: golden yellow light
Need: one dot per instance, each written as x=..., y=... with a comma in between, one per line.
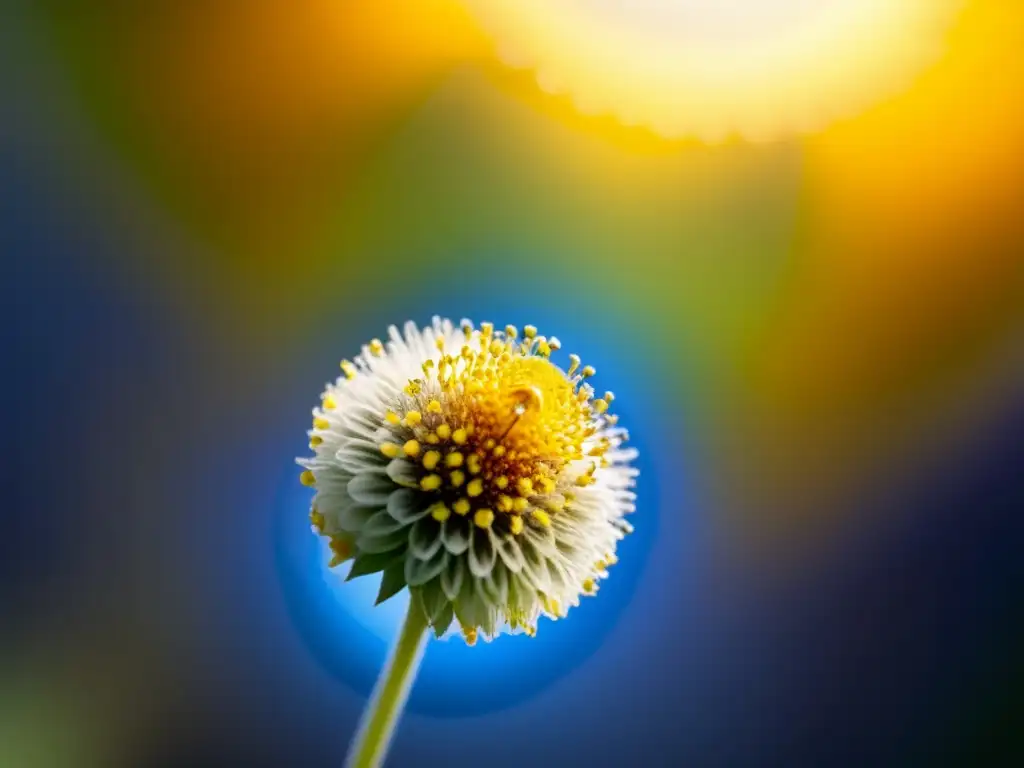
x=714, y=68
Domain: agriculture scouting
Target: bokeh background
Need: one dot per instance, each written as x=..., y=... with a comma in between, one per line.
x=818, y=344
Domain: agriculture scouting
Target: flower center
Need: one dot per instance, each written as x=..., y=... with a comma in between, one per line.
x=490, y=430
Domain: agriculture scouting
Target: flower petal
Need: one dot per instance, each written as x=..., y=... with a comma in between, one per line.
x=352, y=517
x=418, y=572
x=371, y=488
x=358, y=456
x=455, y=535
x=452, y=577
x=425, y=538
x=535, y=569
x=381, y=524
x=402, y=471
x=511, y=553
x=543, y=540
x=406, y=506
x=494, y=587
x=482, y=553
x=372, y=544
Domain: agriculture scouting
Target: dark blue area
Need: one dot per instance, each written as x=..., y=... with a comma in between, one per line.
x=73, y=342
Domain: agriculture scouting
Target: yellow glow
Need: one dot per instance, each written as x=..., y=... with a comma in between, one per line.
x=713, y=68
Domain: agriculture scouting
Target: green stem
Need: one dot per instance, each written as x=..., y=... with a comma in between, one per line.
x=389, y=695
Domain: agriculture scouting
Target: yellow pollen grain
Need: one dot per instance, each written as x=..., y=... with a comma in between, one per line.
x=433, y=439
x=453, y=459
x=440, y=512
x=330, y=403
x=458, y=477
x=315, y=440
x=340, y=547
x=519, y=504
x=475, y=487
x=461, y=507
x=505, y=503
x=431, y=459
x=321, y=423
x=501, y=481
x=444, y=431
x=499, y=450
x=392, y=418
x=430, y=482
x=489, y=443
x=391, y=450
x=342, y=550
x=412, y=418
x=473, y=462
x=588, y=585
x=434, y=406
x=376, y=348
x=483, y=518
x=459, y=436
x=525, y=486
x=316, y=519
x=529, y=331
x=348, y=369
x=588, y=371
x=542, y=517
x=516, y=526
x=307, y=478
x=411, y=448
x=600, y=406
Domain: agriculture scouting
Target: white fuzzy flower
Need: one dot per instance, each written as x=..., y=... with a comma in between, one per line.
x=467, y=466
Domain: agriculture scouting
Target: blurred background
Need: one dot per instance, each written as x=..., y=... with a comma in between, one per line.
x=816, y=335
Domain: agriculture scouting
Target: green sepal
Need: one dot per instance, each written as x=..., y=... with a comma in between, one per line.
x=432, y=599
x=392, y=582
x=365, y=563
x=443, y=620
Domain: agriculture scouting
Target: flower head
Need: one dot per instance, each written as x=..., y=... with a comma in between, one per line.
x=466, y=465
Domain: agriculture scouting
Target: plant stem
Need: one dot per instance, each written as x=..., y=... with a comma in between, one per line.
x=392, y=689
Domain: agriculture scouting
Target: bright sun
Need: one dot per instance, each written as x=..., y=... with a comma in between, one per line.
x=714, y=68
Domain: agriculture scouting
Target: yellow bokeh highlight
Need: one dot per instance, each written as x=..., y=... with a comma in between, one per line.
x=761, y=69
